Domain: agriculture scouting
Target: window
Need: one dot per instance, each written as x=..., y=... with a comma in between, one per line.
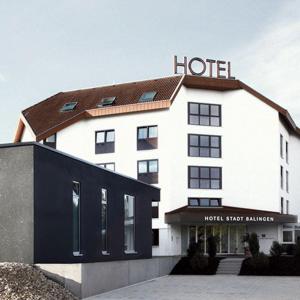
x=205, y=202
x=154, y=209
x=104, y=221
x=148, y=96
x=204, y=114
x=155, y=237
x=281, y=145
x=281, y=177
x=147, y=138
x=204, y=145
x=68, y=106
x=106, y=101
x=51, y=141
x=109, y=166
x=287, y=206
x=76, y=218
x=105, y=141
x=205, y=177
x=148, y=171
x=287, y=180
x=129, y=223
x=287, y=234
x=281, y=205
x=287, y=152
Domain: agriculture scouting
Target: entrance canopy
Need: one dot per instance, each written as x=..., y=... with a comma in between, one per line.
x=226, y=214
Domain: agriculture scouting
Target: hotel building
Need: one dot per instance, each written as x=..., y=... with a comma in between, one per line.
x=227, y=159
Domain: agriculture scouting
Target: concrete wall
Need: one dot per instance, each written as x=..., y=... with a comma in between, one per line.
x=85, y=280
x=16, y=204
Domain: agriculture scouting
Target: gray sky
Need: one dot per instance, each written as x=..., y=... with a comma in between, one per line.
x=59, y=45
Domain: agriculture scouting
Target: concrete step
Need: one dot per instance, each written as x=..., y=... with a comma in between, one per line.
x=230, y=266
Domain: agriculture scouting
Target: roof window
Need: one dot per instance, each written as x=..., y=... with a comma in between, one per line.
x=107, y=101
x=148, y=96
x=68, y=106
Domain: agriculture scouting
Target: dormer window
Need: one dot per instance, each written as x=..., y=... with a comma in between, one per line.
x=68, y=106
x=148, y=96
x=107, y=101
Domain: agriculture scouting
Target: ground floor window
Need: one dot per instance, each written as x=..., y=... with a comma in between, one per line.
x=230, y=237
x=155, y=237
x=76, y=218
x=287, y=233
x=129, y=220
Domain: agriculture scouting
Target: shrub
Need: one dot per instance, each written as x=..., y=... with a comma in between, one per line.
x=193, y=249
x=259, y=265
x=199, y=262
x=254, y=244
x=276, y=249
x=212, y=246
x=289, y=249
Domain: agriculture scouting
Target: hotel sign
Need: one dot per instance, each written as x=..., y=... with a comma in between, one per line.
x=260, y=219
x=203, y=67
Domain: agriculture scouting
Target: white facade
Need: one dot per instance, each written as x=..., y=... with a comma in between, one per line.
x=250, y=161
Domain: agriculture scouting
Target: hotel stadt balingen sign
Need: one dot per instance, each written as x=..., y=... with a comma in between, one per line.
x=203, y=67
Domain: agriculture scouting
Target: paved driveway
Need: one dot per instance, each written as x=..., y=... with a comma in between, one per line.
x=218, y=287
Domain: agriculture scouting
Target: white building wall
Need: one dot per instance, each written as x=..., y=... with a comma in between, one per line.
x=250, y=154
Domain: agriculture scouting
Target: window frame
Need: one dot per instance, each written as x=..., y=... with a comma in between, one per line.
x=105, y=147
x=281, y=177
x=209, y=114
x=206, y=147
x=64, y=109
x=210, y=199
x=76, y=252
x=281, y=205
x=51, y=144
x=104, y=251
x=141, y=100
x=148, y=143
x=153, y=239
x=281, y=145
x=287, y=187
x=134, y=224
x=155, y=210
x=287, y=152
x=148, y=177
x=210, y=178
x=104, y=165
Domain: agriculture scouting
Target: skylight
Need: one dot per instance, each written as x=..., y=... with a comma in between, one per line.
x=106, y=101
x=68, y=106
x=148, y=96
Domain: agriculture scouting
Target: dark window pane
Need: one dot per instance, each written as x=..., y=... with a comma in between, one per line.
x=194, y=183
x=194, y=108
x=193, y=202
x=194, y=151
x=204, y=109
x=204, y=172
x=204, y=202
x=204, y=152
x=215, y=141
x=214, y=202
x=204, y=184
x=194, y=140
x=214, y=110
x=194, y=120
x=215, y=184
x=204, y=141
x=215, y=173
x=214, y=152
x=194, y=172
x=215, y=121
x=204, y=121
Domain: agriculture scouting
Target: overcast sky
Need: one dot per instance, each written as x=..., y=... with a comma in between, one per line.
x=59, y=45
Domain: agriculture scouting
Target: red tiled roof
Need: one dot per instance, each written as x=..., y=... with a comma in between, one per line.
x=45, y=117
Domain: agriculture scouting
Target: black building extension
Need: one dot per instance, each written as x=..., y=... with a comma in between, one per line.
x=37, y=209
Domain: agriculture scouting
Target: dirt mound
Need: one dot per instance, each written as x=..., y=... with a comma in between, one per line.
x=24, y=282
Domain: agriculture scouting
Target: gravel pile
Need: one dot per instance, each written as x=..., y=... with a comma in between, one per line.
x=24, y=282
